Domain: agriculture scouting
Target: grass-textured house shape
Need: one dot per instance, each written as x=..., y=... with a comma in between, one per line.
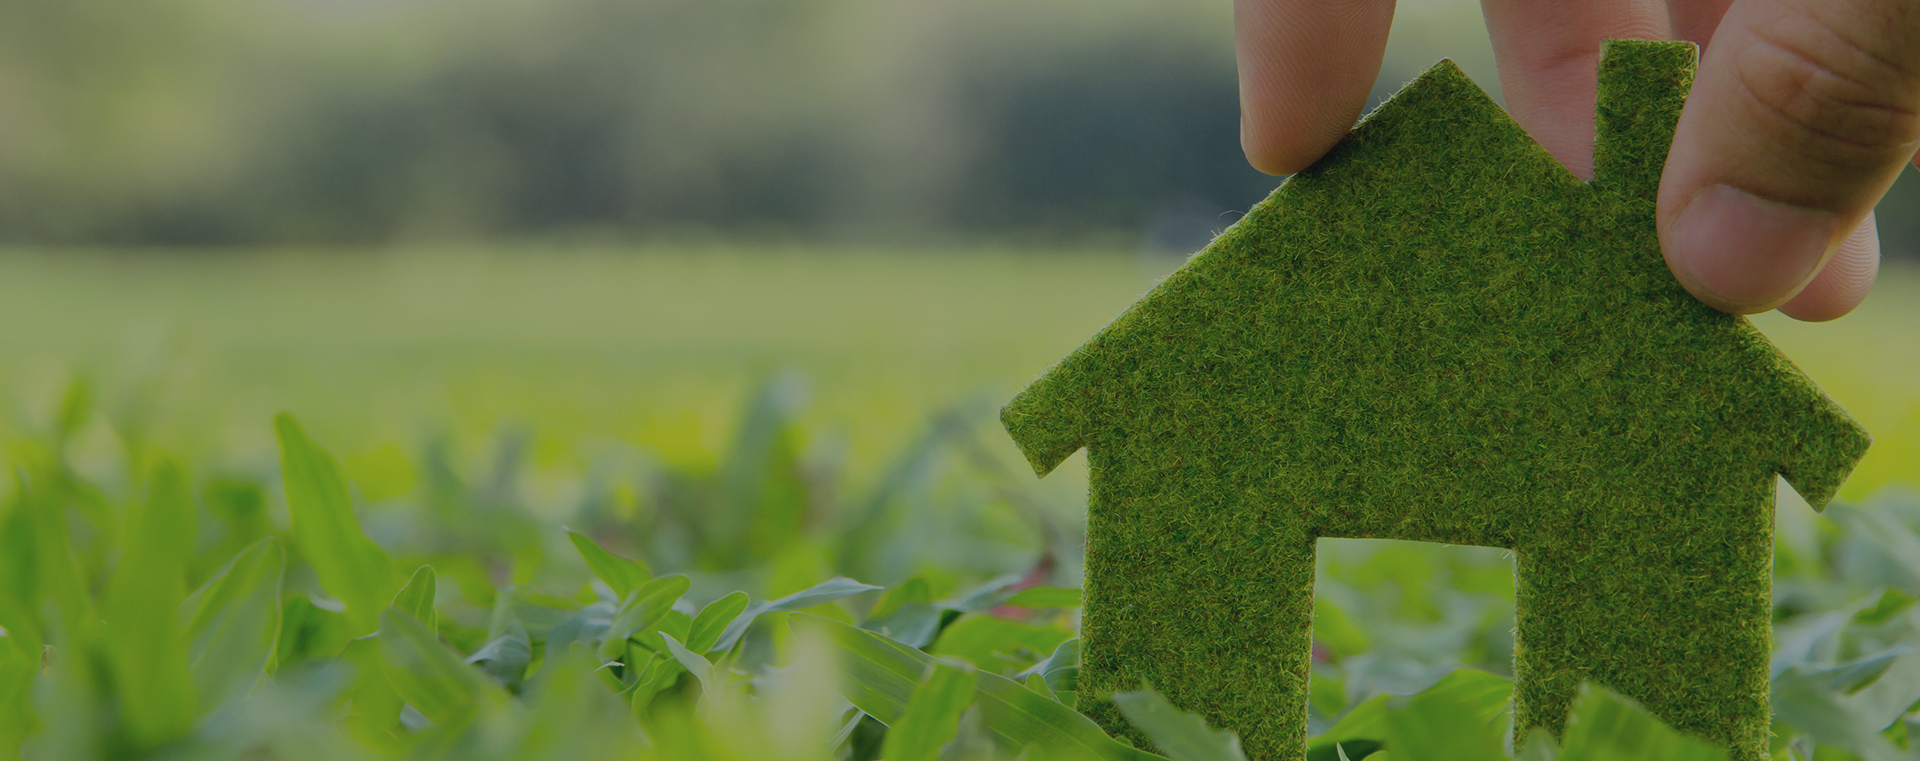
x=1437, y=333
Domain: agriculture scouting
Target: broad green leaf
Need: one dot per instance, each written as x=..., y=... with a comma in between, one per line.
x=232, y=621
x=1822, y=714
x=619, y=573
x=641, y=611
x=16, y=703
x=1335, y=629
x=308, y=631
x=509, y=648
x=1181, y=735
x=1044, y=597
x=818, y=594
x=416, y=598
x=146, y=646
x=1604, y=726
x=375, y=705
x=426, y=674
x=932, y=714
x=713, y=619
x=915, y=589
x=674, y=624
x=1365, y=727
x=1061, y=670
x=985, y=639
x=880, y=675
x=1888, y=698
x=349, y=565
x=699, y=667
x=1444, y=725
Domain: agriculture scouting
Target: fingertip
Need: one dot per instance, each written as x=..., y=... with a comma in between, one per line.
x=1843, y=284
x=1744, y=254
x=1306, y=70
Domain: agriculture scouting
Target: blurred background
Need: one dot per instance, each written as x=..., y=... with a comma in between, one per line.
x=197, y=123
x=618, y=217
x=734, y=286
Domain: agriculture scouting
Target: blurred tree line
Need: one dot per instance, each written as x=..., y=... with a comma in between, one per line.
x=247, y=122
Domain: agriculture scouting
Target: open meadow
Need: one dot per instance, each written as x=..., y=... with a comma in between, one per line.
x=790, y=494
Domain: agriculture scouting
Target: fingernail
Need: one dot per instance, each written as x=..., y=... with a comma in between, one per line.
x=1742, y=253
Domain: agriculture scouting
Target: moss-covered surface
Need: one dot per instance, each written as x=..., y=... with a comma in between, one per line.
x=1436, y=333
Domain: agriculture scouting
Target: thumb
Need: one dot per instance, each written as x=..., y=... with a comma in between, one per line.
x=1803, y=113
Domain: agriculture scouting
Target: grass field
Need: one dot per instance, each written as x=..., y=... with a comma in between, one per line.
x=479, y=401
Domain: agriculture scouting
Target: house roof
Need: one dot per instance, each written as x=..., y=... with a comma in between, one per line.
x=1438, y=280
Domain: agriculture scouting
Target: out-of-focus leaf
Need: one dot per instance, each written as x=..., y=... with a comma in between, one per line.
x=1044, y=597
x=308, y=631
x=1365, y=728
x=509, y=648
x=818, y=594
x=640, y=611
x=1890, y=697
x=621, y=574
x=915, y=589
x=145, y=644
x=573, y=717
x=880, y=675
x=1824, y=715
x=1799, y=641
x=349, y=565
x=987, y=596
x=1061, y=670
x=1445, y=725
x=425, y=673
x=374, y=703
x=1333, y=628
x=1890, y=604
x=587, y=626
x=1604, y=726
x=16, y=703
x=695, y=664
x=983, y=639
x=232, y=621
x=1182, y=736
x=705, y=632
x=1540, y=746
x=932, y=714
x=416, y=598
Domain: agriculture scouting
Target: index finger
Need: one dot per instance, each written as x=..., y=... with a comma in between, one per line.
x=1306, y=69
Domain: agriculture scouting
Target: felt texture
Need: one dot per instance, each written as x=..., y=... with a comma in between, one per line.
x=1437, y=333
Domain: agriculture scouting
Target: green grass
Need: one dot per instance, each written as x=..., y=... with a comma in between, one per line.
x=636, y=416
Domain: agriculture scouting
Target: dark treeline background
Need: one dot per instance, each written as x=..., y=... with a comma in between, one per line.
x=288, y=122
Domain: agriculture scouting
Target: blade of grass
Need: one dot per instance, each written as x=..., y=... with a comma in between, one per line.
x=416, y=598
x=233, y=621
x=146, y=646
x=818, y=594
x=426, y=674
x=641, y=611
x=713, y=620
x=619, y=573
x=932, y=714
x=349, y=565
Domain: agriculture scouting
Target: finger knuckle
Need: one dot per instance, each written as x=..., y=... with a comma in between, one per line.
x=1839, y=99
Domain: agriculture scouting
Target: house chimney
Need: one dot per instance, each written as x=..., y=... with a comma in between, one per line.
x=1643, y=84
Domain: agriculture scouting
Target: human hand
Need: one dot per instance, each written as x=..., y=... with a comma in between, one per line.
x=1802, y=114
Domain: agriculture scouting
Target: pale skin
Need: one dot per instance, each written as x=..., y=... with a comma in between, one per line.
x=1801, y=116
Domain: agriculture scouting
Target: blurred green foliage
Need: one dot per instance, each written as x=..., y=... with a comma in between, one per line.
x=398, y=574
x=221, y=122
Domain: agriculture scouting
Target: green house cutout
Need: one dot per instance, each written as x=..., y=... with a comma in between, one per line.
x=1437, y=333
